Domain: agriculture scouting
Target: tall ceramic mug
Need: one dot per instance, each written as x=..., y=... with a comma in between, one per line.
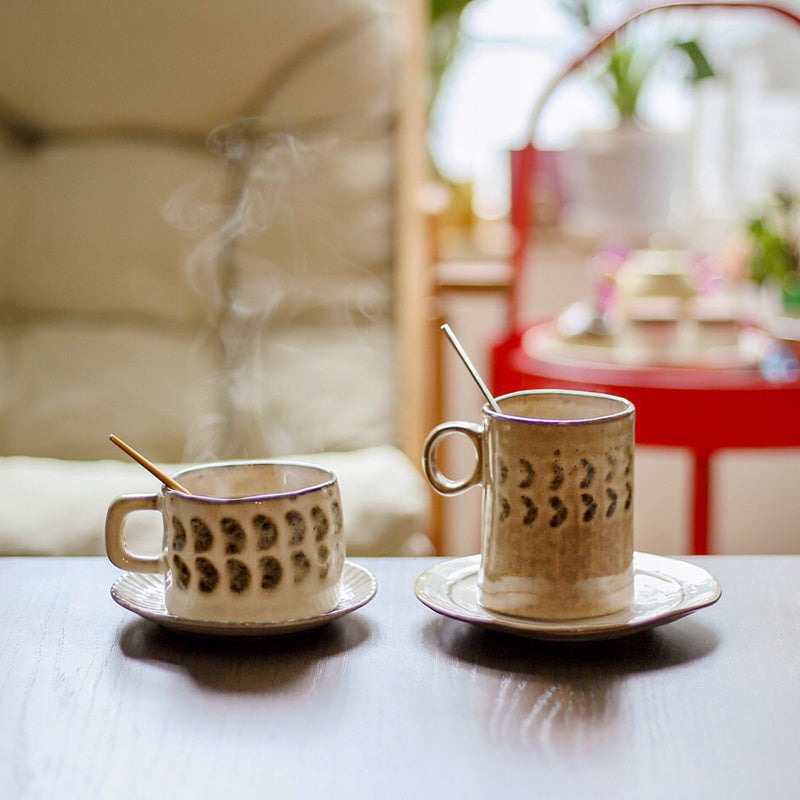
x=556, y=468
x=254, y=541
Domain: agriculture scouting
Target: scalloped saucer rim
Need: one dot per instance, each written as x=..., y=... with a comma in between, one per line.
x=359, y=586
x=665, y=589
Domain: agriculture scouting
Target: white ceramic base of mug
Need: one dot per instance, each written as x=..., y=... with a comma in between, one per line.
x=537, y=598
x=254, y=608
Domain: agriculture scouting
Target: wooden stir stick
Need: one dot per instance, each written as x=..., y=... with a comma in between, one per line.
x=148, y=465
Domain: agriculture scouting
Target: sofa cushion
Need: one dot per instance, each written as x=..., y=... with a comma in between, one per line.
x=91, y=235
x=160, y=64
x=53, y=507
x=76, y=381
x=221, y=179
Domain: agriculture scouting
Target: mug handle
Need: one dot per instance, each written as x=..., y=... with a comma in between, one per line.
x=117, y=551
x=430, y=463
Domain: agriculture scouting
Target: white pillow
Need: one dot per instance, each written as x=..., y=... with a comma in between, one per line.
x=50, y=507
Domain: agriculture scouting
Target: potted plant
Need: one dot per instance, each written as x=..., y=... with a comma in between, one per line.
x=774, y=249
x=629, y=62
x=625, y=179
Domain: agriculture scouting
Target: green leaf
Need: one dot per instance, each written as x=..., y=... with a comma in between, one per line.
x=771, y=255
x=579, y=10
x=439, y=8
x=626, y=72
x=700, y=64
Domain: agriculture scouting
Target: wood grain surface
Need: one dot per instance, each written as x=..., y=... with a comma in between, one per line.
x=395, y=701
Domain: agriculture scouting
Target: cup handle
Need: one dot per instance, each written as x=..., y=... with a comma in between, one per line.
x=117, y=551
x=439, y=481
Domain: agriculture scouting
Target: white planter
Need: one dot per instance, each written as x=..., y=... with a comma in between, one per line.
x=626, y=183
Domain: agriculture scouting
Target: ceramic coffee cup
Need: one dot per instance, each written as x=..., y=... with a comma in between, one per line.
x=557, y=474
x=254, y=542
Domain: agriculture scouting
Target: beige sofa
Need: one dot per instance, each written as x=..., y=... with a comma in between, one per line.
x=205, y=227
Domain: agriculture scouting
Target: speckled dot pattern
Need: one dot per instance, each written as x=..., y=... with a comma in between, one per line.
x=183, y=575
x=259, y=533
x=266, y=531
x=271, y=572
x=558, y=497
x=570, y=517
x=234, y=535
x=203, y=539
x=246, y=557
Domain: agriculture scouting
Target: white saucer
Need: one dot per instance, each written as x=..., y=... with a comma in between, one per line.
x=665, y=589
x=144, y=595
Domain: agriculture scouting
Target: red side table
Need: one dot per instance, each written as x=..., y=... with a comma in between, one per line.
x=703, y=410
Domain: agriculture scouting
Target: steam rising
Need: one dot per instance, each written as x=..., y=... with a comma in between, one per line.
x=271, y=263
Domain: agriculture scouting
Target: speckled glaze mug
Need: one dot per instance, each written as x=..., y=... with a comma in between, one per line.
x=557, y=473
x=254, y=542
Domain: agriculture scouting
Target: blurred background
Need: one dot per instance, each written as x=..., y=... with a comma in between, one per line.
x=678, y=142
x=219, y=257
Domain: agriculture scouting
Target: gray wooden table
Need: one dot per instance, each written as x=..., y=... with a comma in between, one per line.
x=396, y=701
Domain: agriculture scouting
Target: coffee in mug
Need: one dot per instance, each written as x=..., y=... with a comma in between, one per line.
x=556, y=468
x=254, y=541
